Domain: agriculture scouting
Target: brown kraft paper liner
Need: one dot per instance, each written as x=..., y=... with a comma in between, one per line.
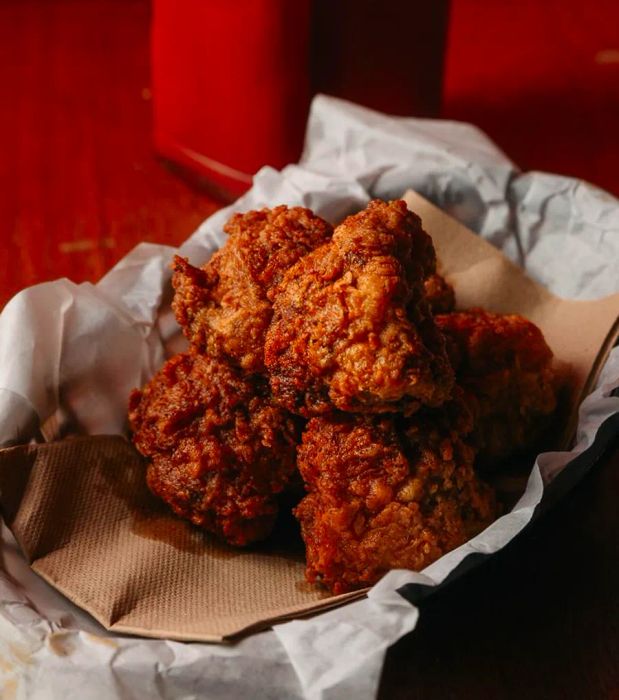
x=84, y=518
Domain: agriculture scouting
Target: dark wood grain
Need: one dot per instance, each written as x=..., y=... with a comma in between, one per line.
x=79, y=181
x=80, y=186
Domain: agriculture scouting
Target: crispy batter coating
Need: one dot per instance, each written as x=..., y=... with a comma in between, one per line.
x=506, y=370
x=439, y=294
x=351, y=328
x=223, y=307
x=387, y=493
x=219, y=450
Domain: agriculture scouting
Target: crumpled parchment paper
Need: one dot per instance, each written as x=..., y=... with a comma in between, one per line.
x=69, y=354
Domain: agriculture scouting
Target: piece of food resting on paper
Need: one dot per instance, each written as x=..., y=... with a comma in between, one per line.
x=505, y=368
x=440, y=294
x=355, y=330
x=387, y=492
x=220, y=450
x=351, y=327
x=223, y=307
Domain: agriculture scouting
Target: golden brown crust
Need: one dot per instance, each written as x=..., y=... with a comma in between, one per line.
x=223, y=307
x=351, y=328
x=219, y=449
x=439, y=294
x=341, y=321
x=386, y=493
x=505, y=368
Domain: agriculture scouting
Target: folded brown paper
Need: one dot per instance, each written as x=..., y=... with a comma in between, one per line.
x=83, y=516
x=87, y=523
x=580, y=333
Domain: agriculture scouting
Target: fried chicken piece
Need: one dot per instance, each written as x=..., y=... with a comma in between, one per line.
x=351, y=328
x=387, y=493
x=223, y=307
x=219, y=450
x=439, y=294
x=506, y=370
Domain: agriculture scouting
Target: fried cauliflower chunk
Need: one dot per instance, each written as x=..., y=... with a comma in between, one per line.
x=351, y=328
x=223, y=307
x=386, y=493
x=505, y=368
x=219, y=450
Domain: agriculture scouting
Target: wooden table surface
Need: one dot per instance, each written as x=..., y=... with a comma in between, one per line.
x=80, y=186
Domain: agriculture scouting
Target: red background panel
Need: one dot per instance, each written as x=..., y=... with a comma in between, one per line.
x=79, y=182
x=542, y=78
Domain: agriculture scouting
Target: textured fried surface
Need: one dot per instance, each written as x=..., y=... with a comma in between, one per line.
x=387, y=493
x=505, y=368
x=223, y=307
x=219, y=449
x=351, y=328
x=439, y=294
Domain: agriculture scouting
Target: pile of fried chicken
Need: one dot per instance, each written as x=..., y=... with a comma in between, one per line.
x=335, y=357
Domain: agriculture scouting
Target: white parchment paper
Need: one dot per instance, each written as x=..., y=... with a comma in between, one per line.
x=69, y=355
